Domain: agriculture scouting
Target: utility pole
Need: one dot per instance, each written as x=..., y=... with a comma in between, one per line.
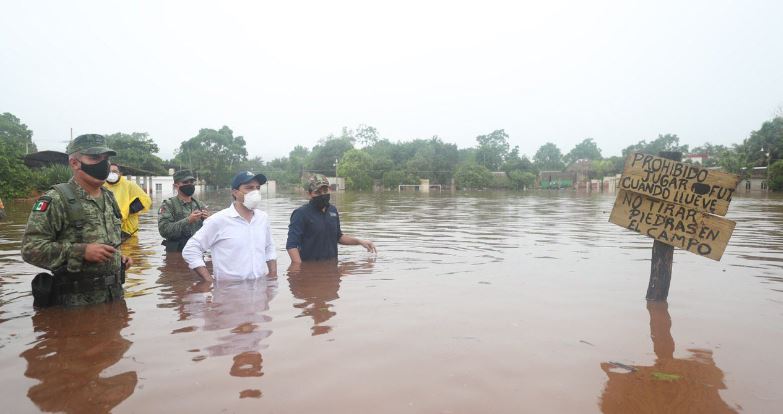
x=768, y=154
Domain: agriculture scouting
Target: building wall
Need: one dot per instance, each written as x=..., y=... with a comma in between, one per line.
x=161, y=186
x=336, y=183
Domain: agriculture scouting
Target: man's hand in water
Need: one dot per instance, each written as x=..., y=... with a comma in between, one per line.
x=370, y=246
x=201, y=286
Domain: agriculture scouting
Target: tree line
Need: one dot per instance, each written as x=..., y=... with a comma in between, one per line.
x=365, y=158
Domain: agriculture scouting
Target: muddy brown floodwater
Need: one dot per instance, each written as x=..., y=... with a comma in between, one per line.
x=475, y=303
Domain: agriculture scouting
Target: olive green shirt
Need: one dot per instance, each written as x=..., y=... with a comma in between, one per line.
x=50, y=240
x=173, y=219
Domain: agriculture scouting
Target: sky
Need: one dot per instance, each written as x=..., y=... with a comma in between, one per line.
x=282, y=74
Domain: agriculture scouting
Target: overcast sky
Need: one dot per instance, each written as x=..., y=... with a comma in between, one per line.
x=292, y=72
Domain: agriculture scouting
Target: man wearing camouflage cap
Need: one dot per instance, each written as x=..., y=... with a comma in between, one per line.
x=74, y=231
x=314, y=231
x=181, y=216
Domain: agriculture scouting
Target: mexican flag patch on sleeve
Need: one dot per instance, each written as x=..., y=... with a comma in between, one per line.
x=42, y=204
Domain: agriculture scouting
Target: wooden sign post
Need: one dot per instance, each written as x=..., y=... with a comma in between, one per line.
x=678, y=205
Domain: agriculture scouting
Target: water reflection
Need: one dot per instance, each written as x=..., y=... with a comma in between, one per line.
x=175, y=281
x=671, y=385
x=194, y=347
x=317, y=285
x=72, y=350
x=236, y=309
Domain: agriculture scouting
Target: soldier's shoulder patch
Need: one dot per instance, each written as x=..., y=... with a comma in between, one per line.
x=42, y=204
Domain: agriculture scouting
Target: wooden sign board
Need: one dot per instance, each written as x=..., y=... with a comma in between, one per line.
x=690, y=185
x=673, y=224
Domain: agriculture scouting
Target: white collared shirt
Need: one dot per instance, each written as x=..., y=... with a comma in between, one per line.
x=240, y=249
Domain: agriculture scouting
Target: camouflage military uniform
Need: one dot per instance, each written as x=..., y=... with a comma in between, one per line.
x=173, y=222
x=50, y=242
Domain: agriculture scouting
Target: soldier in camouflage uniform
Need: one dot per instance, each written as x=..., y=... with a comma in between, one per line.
x=74, y=231
x=181, y=216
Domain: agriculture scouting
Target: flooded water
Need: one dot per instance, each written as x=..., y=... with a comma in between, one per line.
x=486, y=302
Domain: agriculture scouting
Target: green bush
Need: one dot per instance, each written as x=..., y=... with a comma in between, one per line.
x=391, y=179
x=500, y=182
x=472, y=175
x=776, y=176
x=521, y=179
x=354, y=166
x=44, y=178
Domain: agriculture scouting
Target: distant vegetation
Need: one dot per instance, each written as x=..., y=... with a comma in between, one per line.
x=365, y=158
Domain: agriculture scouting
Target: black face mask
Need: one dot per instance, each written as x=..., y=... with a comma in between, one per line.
x=188, y=190
x=98, y=171
x=320, y=201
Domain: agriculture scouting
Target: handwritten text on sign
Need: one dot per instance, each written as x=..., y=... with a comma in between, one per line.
x=687, y=184
x=673, y=224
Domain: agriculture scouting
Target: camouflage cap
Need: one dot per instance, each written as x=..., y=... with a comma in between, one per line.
x=315, y=182
x=183, y=175
x=89, y=144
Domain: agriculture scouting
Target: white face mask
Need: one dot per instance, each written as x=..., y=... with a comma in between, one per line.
x=253, y=200
x=113, y=177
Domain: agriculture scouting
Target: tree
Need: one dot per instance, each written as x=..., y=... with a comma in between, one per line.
x=520, y=170
x=618, y=163
x=288, y=170
x=516, y=163
x=324, y=155
x=667, y=142
x=492, y=149
x=602, y=168
x=766, y=144
x=15, y=135
x=713, y=152
x=734, y=160
x=354, y=166
x=15, y=143
x=214, y=155
x=467, y=155
x=585, y=150
x=432, y=159
x=521, y=179
x=549, y=158
x=366, y=135
x=391, y=179
x=136, y=150
x=776, y=176
x=472, y=176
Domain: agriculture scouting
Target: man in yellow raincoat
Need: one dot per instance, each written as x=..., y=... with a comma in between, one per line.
x=131, y=199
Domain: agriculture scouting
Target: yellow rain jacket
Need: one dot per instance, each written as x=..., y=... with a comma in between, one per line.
x=125, y=192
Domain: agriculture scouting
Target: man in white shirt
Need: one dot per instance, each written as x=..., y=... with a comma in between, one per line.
x=239, y=237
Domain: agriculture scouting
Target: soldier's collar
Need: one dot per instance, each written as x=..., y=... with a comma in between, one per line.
x=79, y=190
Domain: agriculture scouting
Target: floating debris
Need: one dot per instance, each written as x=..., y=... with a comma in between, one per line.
x=623, y=366
x=662, y=376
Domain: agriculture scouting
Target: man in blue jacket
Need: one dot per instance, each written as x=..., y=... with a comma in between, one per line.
x=314, y=230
